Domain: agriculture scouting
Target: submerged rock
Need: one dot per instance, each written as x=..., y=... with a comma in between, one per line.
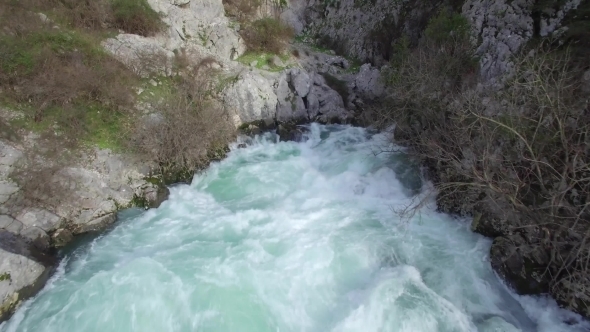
x=290, y=132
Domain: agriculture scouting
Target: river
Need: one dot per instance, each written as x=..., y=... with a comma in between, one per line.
x=288, y=237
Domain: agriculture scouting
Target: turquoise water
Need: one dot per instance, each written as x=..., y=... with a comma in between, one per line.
x=288, y=237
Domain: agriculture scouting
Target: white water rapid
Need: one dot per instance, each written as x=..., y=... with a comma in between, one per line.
x=288, y=237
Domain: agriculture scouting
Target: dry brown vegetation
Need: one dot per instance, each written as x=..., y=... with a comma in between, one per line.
x=520, y=153
x=261, y=27
x=267, y=35
x=73, y=96
x=186, y=129
x=132, y=16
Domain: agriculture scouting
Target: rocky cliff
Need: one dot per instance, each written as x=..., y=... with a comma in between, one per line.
x=326, y=85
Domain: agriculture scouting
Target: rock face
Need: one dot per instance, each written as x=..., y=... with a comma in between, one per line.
x=501, y=28
x=197, y=28
x=23, y=272
x=201, y=23
x=145, y=56
x=99, y=186
x=294, y=95
x=364, y=29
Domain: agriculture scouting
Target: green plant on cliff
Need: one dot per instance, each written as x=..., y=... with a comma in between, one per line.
x=74, y=96
x=5, y=277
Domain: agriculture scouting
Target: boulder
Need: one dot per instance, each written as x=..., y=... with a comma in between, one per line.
x=155, y=196
x=290, y=132
x=330, y=105
x=368, y=83
x=290, y=105
x=95, y=224
x=300, y=81
x=250, y=98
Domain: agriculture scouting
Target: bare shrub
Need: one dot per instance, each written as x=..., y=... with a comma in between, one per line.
x=185, y=130
x=135, y=16
x=267, y=35
x=89, y=14
x=523, y=149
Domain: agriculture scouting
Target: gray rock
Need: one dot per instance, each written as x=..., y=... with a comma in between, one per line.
x=96, y=224
x=9, y=155
x=300, y=81
x=156, y=196
x=313, y=105
x=7, y=189
x=22, y=274
x=10, y=224
x=290, y=132
x=40, y=218
x=202, y=24
x=253, y=63
x=145, y=56
x=276, y=61
x=368, y=82
x=43, y=18
x=290, y=106
x=61, y=237
x=331, y=105
x=250, y=98
x=36, y=236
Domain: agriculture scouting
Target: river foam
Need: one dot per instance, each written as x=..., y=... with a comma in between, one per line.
x=288, y=237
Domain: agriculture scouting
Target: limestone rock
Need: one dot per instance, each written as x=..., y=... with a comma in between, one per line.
x=330, y=105
x=61, y=237
x=300, y=81
x=156, y=196
x=23, y=272
x=290, y=106
x=96, y=224
x=145, y=56
x=250, y=98
x=10, y=224
x=9, y=155
x=489, y=224
x=368, y=83
x=276, y=61
x=36, y=236
x=40, y=218
x=202, y=23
